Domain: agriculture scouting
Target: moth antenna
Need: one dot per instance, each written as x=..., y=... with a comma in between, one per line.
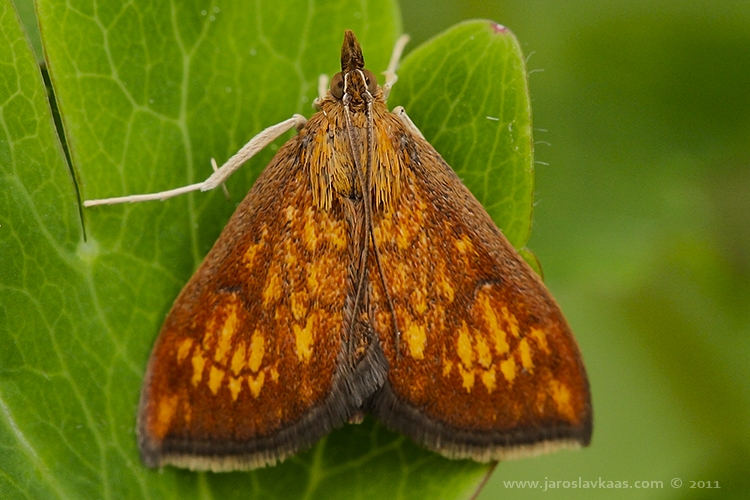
x=322, y=91
x=390, y=73
x=366, y=202
x=134, y=198
x=256, y=144
x=369, y=224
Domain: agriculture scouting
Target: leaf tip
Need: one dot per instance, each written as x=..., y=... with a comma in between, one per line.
x=499, y=28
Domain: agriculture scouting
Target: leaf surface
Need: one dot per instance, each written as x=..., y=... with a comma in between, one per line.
x=148, y=93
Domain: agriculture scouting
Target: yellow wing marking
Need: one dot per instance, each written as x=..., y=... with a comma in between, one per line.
x=164, y=415
x=304, y=338
x=215, y=377
x=184, y=349
x=235, y=386
x=525, y=351
x=561, y=397
x=199, y=362
x=415, y=336
x=485, y=352
x=257, y=350
x=228, y=329
x=272, y=289
x=238, y=358
x=508, y=369
x=488, y=379
x=256, y=384
x=221, y=369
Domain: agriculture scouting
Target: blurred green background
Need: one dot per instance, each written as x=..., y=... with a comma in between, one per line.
x=642, y=224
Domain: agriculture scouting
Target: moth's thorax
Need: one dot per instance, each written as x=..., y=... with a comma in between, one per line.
x=329, y=145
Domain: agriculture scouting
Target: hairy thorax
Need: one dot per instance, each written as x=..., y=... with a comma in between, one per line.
x=333, y=158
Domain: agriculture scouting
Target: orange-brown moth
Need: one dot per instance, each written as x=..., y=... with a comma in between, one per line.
x=358, y=275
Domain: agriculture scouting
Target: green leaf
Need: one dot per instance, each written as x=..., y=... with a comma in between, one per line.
x=148, y=93
x=42, y=407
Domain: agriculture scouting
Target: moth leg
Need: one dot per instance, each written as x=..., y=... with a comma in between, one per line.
x=218, y=178
x=322, y=91
x=400, y=113
x=223, y=186
x=390, y=74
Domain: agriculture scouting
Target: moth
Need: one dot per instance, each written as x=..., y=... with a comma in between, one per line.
x=358, y=275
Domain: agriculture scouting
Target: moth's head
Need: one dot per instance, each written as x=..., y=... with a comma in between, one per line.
x=354, y=81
